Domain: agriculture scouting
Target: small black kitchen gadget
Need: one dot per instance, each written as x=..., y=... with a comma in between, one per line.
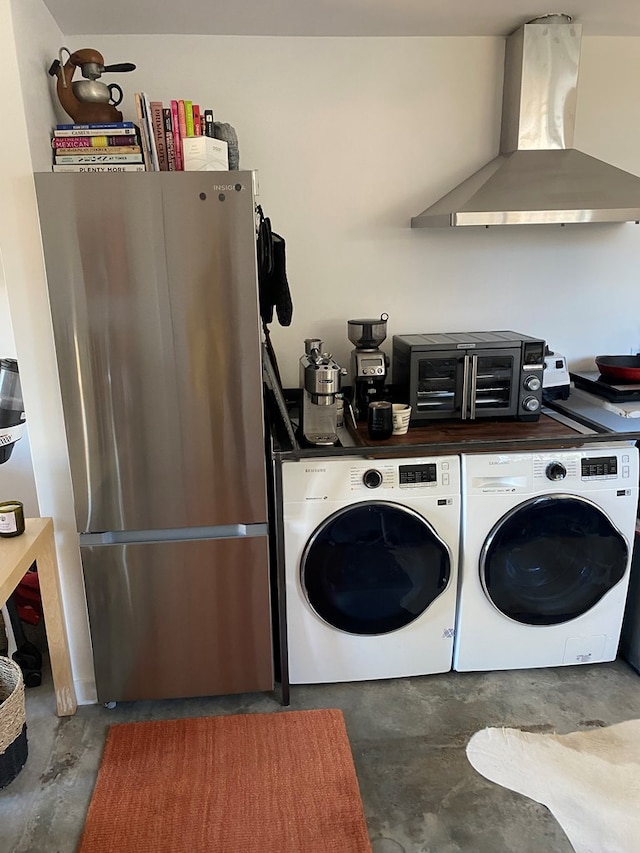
x=618, y=392
x=469, y=375
x=380, y=420
x=368, y=363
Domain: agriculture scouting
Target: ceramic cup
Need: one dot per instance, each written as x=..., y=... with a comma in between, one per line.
x=401, y=418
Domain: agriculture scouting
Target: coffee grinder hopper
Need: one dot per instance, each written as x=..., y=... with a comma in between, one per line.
x=367, y=334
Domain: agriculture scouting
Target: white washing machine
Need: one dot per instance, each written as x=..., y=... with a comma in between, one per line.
x=371, y=558
x=545, y=556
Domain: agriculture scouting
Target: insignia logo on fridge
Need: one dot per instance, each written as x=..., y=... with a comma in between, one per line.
x=221, y=188
x=315, y=470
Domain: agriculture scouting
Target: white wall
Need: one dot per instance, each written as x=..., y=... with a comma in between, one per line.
x=351, y=137
x=29, y=40
x=16, y=474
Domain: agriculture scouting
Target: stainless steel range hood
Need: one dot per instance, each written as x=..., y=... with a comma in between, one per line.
x=538, y=177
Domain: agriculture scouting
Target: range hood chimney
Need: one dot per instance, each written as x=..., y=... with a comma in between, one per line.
x=538, y=177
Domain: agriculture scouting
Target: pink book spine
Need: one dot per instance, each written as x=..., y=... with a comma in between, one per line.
x=182, y=119
x=177, y=141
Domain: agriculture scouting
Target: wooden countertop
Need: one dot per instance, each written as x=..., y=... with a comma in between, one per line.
x=552, y=430
x=500, y=431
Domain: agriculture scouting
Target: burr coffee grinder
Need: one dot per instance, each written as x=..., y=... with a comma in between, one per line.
x=320, y=406
x=368, y=363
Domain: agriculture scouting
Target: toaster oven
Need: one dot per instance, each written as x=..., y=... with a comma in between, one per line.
x=469, y=375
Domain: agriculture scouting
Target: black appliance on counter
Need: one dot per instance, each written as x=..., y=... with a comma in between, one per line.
x=368, y=362
x=616, y=392
x=469, y=375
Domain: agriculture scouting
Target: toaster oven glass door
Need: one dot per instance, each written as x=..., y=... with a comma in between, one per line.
x=466, y=384
x=493, y=389
x=439, y=384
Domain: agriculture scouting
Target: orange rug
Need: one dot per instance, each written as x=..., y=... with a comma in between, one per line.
x=251, y=783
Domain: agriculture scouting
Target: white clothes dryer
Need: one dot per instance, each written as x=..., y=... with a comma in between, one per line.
x=546, y=550
x=371, y=562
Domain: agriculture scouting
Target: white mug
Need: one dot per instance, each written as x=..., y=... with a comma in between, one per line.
x=401, y=418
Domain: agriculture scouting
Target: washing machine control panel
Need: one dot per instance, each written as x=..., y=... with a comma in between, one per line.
x=410, y=475
x=602, y=466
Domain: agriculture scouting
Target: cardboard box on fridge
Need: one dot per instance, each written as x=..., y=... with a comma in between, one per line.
x=205, y=154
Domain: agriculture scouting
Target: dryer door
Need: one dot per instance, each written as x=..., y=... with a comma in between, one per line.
x=552, y=559
x=373, y=568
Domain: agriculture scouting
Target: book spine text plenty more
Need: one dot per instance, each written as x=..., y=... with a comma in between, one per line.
x=100, y=167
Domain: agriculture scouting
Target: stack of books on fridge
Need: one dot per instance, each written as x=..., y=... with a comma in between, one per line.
x=113, y=147
x=179, y=137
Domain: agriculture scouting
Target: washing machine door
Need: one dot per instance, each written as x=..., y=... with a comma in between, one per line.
x=552, y=559
x=373, y=568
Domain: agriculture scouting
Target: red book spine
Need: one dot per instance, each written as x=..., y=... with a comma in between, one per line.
x=177, y=144
x=196, y=120
x=182, y=120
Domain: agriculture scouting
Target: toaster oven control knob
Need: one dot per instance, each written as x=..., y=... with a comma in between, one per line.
x=372, y=478
x=532, y=383
x=556, y=471
x=531, y=404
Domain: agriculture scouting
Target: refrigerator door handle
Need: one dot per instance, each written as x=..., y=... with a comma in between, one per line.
x=176, y=534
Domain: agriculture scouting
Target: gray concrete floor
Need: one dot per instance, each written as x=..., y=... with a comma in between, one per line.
x=408, y=738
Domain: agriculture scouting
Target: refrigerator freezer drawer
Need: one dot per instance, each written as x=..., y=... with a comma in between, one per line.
x=179, y=619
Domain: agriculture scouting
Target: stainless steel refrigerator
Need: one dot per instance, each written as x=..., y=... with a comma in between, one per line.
x=154, y=299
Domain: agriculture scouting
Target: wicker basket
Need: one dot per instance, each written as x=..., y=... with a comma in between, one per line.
x=13, y=726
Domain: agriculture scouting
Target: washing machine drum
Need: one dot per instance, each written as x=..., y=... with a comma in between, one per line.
x=552, y=559
x=373, y=568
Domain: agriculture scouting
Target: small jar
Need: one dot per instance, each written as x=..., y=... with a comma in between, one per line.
x=11, y=518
